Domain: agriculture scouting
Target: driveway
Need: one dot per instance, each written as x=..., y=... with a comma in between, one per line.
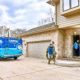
x=36, y=69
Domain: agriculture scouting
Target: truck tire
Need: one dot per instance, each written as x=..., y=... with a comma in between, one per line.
x=15, y=58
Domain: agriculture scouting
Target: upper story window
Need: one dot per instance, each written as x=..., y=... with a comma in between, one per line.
x=69, y=4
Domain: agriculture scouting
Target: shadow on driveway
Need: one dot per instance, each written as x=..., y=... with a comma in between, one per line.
x=1, y=78
x=9, y=59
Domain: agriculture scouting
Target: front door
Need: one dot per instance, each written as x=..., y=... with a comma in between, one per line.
x=75, y=38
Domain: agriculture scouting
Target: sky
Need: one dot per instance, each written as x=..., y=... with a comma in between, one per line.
x=23, y=14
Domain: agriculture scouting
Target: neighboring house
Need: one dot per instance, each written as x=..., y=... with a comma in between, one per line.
x=17, y=32
x=64, y=32
x=4, y=31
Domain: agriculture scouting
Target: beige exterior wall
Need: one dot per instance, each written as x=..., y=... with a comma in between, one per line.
x=63, y=21
x=45, y=36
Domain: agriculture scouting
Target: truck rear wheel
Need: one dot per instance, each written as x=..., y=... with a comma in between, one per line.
x=15, y=58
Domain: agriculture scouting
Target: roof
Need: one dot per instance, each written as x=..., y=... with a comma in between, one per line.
x=52, y=2
x=39, y=29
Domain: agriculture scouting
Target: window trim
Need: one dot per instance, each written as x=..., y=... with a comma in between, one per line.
x=69, y=5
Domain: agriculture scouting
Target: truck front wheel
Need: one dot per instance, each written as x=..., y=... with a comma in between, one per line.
x=15, y=58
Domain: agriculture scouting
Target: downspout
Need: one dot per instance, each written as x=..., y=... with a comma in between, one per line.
x=56, y=24
x=56, y=15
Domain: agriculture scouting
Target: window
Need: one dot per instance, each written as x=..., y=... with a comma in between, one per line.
x=74, y=3
x=66, y=5
x=69, y=4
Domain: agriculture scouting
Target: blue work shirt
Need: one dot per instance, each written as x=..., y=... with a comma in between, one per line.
x=76, y=45
x=50, y=51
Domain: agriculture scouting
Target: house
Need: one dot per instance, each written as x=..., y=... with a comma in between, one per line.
x=4, y=31
x=17, y=32
x=64, y=32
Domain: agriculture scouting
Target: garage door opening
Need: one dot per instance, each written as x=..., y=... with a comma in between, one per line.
x=38, y=49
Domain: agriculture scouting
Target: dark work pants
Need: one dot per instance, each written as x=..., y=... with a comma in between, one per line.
x=77, y=52
x=52, y=57
x=49, y=60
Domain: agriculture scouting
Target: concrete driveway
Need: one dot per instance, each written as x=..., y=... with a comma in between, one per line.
x=36, y=69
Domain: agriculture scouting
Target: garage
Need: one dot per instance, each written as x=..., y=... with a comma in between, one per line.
x=37, y=40
x=38, y=49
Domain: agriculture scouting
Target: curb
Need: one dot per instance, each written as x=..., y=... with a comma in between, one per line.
x=66, y=63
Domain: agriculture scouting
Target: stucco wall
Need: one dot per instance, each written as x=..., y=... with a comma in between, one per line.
x=67, y=21
x=65, y=42
x=69, y=41
x=61, y=37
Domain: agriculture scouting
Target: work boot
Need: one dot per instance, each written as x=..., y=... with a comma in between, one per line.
x=49, y=62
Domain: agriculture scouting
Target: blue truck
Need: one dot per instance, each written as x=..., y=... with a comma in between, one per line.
x=10, y=47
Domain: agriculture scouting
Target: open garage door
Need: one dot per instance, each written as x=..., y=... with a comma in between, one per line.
x=38, y=49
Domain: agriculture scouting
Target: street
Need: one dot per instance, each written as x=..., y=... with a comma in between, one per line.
x=36, y=69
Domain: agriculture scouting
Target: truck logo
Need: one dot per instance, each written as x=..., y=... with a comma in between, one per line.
x=19, y=47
